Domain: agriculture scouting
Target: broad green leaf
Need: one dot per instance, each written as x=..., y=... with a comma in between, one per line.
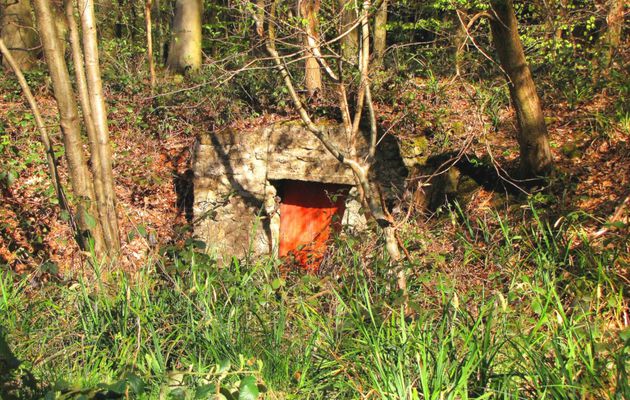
x=177, y=394
x=248, y=390
x=117, y=387
x=135, y=383
x=205, y=391
x=277, y=283
x=142, y=230
x=224, y=366
x=89, y=220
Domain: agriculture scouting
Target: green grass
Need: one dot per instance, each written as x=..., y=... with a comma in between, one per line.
x=549, y=327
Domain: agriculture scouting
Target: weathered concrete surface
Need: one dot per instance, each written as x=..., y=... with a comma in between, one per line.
x=236, y=175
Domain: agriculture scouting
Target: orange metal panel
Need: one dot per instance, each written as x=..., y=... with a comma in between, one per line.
x=309, y=213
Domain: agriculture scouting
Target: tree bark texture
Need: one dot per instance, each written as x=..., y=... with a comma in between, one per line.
x=380, y=33
x=312, y=72
x=99, y=118
x=149, y=29
x=62, y=26
x=18, y=33
x=84, y=100
x=184, y=53
x=535, y=154
x=614, y=21
x=350, y=42
x=80, y=177
x=459, y=38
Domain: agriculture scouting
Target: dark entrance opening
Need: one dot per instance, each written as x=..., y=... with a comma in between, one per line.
x=310, y=213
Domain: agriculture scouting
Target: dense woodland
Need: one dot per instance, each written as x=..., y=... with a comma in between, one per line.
x=499, y=270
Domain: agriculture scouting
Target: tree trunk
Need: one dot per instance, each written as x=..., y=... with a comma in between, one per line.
x=350, y=42
x=80, y=179
x=184, y=53
x=459, y=37
x=99, y=118
x=149, y=29
x=380, y=34
x=535, y=154
x=62, y=26
x=18, y=33
x=612, y=39
x=312, y=72
x=84, y=99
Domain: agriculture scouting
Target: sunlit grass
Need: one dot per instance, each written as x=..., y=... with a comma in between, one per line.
x=183, y=328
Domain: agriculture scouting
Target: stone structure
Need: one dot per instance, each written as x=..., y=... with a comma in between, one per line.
x=237, y=176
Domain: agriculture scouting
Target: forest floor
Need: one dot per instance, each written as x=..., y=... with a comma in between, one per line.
x=153, y=149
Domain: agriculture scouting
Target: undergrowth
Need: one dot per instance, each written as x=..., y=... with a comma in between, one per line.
x=550, y=326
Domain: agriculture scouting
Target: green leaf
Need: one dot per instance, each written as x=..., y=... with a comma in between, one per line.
x=64, y=215
x=142, y=230
x=616, y=224
x=277, y=283
x=89, y=220
x=205, y=391
x=135, y=383
x=224, y=366
x=177, y=393
x=11, y=177
x=537, y=306
x=49, y=267
x=51, y=395
x=248, y=390
x=117, y=387
x=198, y=244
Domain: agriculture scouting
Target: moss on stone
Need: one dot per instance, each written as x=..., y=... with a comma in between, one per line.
x=415, y=151
x=466, y=189
x=458, y=128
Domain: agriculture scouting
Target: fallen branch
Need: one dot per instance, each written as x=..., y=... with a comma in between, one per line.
x=617, y=216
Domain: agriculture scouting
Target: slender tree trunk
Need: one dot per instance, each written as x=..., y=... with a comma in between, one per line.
x=612, y=39
x=459, y=38
x=312, y=73
x=80, y=178
x=18, y=33
x=44, y=137
x=99, y=118
x=380, y=33
x=259, y=16
x=62, y=26
x=84, y=100
x=535, y=154
x=184, y=54
x=350, y=42
x=149, y=29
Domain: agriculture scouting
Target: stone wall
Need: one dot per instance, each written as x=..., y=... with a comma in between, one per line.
x=235, y=173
